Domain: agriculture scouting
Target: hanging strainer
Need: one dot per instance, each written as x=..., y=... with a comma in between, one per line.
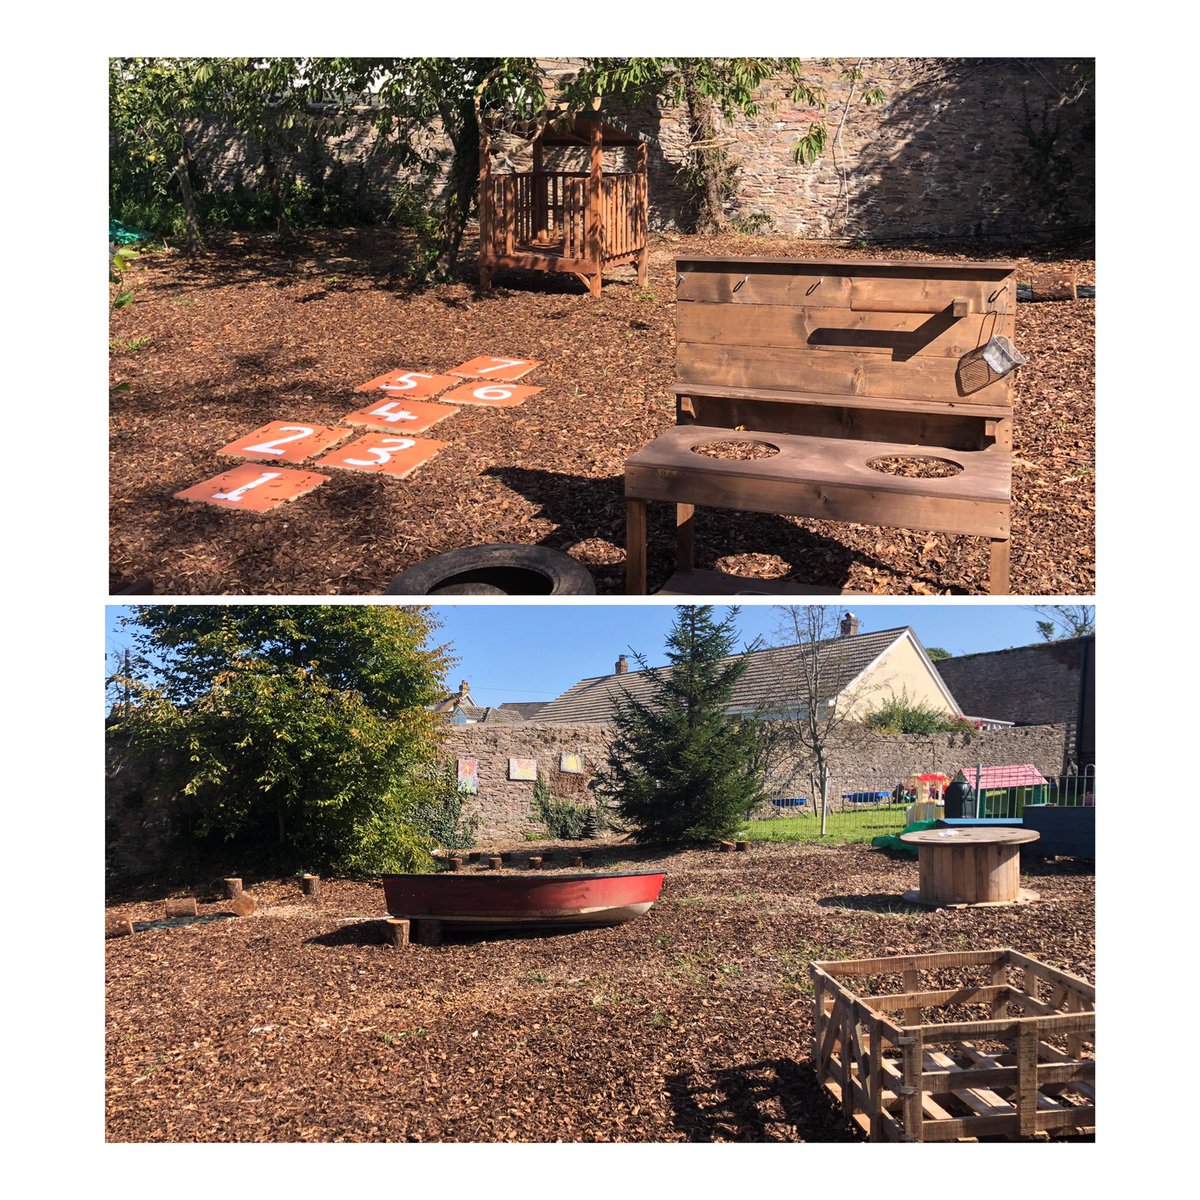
x=978, y=368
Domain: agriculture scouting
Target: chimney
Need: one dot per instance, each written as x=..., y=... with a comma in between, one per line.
x=464, y=690
x=622, y=665
x=849, y=626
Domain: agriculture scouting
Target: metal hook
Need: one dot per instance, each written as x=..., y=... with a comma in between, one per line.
x=679, y=278
x=812, y=287
x=741, y=283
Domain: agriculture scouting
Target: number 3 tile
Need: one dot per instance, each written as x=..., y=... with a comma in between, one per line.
x=284, y=441
x=383, y=454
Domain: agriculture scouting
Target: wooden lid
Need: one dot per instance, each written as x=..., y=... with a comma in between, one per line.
x=972, y=835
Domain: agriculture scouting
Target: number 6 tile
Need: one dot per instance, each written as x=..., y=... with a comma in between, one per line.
x=253, y=488
x=284, y=441
x=495, y=395
x=384, y=454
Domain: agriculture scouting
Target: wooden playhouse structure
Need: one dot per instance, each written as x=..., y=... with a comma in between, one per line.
x=557, y=217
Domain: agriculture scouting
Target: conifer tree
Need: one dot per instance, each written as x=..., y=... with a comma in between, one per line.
x=681, y=769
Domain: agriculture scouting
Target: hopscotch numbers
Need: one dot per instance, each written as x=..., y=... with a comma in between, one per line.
x=298, y=433
x=506, y=369
x=234, y=496
x=502, y=395
x=416, y=385
x=380, y=453
x=406, y=382
x=393, y=410
x=284, y=441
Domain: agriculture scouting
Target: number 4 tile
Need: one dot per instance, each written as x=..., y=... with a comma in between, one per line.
x=383, y=454
x=284, y=441
x=253, y=489
x=408, y=416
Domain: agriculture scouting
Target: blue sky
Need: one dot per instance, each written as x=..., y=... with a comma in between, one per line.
x=535, y=652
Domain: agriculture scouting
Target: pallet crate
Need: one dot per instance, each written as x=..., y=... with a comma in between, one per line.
x=955, y=1046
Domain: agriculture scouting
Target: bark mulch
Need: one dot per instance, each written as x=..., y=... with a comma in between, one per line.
x=257, y=332
x=691, y=1023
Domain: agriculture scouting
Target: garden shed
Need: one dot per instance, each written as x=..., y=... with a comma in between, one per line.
x=568, y=212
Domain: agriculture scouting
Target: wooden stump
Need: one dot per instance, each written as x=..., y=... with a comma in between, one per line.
x=231, y=888
x=182, y=908
x=240, y=906
x=506, y=855
x=310, y=885
x=742, y=846
x=396, y=932
x=495, y=862
x=535, y=861
x=577, y=861
x=427, y=933
x=119, y=929
x=726, y=847
x=454, y=864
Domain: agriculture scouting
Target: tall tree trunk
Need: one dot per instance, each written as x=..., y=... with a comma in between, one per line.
x=195, y=239
x=709, y=160
x=271, y=169
x=460, y=194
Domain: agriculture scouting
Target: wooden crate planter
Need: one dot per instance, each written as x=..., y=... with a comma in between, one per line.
x=892, y=1046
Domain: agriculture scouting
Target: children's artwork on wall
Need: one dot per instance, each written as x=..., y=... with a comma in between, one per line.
x=522, y=768
x=468, y=775
x=571, y=764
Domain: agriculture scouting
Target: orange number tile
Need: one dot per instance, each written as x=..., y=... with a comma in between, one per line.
x=383, y=454
x=411, y=416
x=411, y=385
x=489, y=367
x=498, y=395
x=284, y=441
x=253, y=488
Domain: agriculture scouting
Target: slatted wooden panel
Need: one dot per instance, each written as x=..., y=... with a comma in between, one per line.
x=868, y=328
x=930, y=1080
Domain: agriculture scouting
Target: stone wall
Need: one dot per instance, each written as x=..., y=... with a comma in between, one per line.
x=959, y=148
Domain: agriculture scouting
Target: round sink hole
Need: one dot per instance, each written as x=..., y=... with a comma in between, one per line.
x=743, y=451
x=498, y=570
x=913, y=466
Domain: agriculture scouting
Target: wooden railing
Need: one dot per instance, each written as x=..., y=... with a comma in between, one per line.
x=550, y=210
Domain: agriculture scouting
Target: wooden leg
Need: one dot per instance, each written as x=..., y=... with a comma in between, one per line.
x=643, y=260
x=685, y=536
x=595, y=282
x=485, y=279
x=998, y=573
x=635, y=546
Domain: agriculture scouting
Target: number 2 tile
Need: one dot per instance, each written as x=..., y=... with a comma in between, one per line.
x=253, y=488
x=383, y=454
x=284, y=441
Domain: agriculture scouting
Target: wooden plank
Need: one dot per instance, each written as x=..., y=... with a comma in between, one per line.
x=685, y=536
x=830, y=371
x=698, y=582
x=635, y=547
x=934, y=960
x=987, y=268
x=912, y=1099
x=982, y=1101
x=539, y=262
x=1063, y=1023
x=927, y=293
x=875, y=1113
x=912, y=1008
x=1050, y=1122
x=1054, y=974
x=913, y=1002
x=965, y=405
x=900, y=337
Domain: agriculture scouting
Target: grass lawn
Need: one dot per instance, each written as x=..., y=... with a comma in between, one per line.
x=847, y=827
x=690, y=1023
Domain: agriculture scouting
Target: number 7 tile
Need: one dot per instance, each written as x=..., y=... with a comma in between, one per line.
x=284, y=441
x=383, y=454
x=490, y=367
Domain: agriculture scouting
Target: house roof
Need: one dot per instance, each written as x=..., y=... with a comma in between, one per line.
x=489, y=715
x=764, y=686
x=527, y=710
x=1025, y=775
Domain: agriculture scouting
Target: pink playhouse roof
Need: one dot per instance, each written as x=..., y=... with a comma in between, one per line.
x=1026, y=775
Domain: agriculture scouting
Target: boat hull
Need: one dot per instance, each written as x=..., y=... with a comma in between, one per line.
x=482, y=902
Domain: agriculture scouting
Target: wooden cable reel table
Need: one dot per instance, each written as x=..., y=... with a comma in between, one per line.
x=974, y=865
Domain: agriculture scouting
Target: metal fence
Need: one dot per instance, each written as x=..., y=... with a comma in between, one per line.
x=862, y=807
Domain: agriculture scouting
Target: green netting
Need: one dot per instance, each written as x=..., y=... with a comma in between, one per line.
x=891, y=841
x=121, y=234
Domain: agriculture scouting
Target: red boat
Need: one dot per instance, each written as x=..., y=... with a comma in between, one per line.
x=479, y=902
